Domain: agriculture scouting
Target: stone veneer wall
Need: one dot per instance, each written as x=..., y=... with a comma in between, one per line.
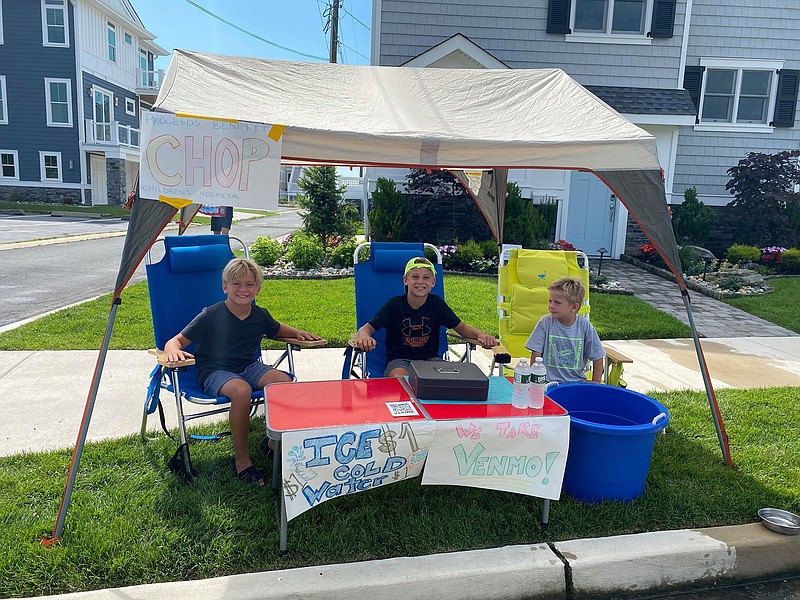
x=116, y=181
x=718, y=242
x=40, y=194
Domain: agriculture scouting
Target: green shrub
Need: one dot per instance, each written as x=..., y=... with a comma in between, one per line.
x=489, y=249
x=692, y=221
x=388, y=219
x=790, y=261
x=523, y=222
x=305, y=252
x=731, y=282
x=341, y=255
x=466, y=254
x=265, y=251
x=741, y=253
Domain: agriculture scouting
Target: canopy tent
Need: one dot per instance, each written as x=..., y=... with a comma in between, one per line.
x=457, y=119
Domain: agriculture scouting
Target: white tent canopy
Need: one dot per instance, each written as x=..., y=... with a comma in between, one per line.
x=415, y=117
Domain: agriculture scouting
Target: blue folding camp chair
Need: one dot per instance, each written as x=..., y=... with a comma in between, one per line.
x=376, y=280
x=183, y=282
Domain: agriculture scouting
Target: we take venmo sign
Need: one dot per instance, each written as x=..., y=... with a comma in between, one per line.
x=194, y=159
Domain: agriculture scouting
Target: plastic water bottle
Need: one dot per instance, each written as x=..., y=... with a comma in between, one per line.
x=522, y=376
x=538, y=383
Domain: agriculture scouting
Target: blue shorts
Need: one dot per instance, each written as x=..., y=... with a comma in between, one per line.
x=252, y=375
x=402, y=363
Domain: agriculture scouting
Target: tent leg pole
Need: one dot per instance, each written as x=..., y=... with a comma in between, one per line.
x=84, y=429
x=722, y=436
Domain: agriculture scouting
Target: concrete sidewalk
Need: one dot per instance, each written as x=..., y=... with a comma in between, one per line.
x=56, y=383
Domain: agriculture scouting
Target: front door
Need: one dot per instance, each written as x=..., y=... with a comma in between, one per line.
x=590, y=217
x=99, y=189
x=102, y=116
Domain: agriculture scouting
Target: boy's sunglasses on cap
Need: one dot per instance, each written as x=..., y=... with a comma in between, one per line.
x=419, y=263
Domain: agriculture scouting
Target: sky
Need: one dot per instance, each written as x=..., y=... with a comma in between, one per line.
x=294, y=24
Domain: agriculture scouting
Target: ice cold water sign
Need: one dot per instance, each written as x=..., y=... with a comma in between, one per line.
x=320, y=464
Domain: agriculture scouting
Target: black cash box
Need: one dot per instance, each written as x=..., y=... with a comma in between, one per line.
x=440, y=380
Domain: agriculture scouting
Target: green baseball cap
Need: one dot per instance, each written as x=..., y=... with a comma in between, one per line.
x=419, y=263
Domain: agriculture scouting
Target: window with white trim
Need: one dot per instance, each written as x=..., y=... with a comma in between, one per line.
x=1, y=21
x=50, y=166
x=128, y=39
x=611, y=20
x=738, y=93
x=58, y=94
x=130, y=106
x=55, y=30
x=9, y=161
x=3, y=101
x=112, y=41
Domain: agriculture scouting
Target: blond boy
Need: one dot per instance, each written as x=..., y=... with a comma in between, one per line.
x=227, y=336
x=565, y=341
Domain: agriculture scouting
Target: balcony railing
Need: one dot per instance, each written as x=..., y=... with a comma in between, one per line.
x=111, y=134
x=149, y=82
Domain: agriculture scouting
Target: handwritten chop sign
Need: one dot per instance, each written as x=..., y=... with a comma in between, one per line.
x=526, y=455
x=209, y=162
x=320, y=464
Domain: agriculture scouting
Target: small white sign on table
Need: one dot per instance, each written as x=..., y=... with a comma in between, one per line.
x=525, y=455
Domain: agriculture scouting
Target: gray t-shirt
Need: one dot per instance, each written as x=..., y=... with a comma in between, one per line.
x=565, y=350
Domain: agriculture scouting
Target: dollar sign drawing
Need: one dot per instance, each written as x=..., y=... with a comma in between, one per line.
x=386, y=441
x=289, y=489
x=407, y=432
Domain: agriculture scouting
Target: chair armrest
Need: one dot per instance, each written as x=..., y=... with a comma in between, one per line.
x=616, y=357
x=501, y=354
x=159, y=354
x=302, y=343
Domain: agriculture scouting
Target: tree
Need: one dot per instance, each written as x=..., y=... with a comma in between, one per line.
x=388, y=219
x=440, y=209
x=763, y=186
x=325, y=213
x=692, y=220
x=523, y=224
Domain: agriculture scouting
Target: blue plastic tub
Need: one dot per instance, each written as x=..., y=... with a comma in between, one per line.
x=612, y=432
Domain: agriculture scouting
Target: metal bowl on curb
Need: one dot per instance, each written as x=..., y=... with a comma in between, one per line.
x=780, y=521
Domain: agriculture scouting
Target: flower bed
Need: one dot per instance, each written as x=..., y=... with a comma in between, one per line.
x=710, y=287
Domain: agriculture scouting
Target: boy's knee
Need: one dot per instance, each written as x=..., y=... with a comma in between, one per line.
x=238, y=390
x=274, y=376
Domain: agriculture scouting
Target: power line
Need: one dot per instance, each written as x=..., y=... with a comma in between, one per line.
x=355, y=18
x=354, y=50
x=253, y=35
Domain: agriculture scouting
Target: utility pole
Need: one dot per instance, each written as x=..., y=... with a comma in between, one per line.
x=334, y=26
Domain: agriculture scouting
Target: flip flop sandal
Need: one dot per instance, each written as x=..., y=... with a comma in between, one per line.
x=250, y=475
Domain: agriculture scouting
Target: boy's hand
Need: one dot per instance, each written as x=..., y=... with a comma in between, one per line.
x=176, y=355
x=308, y=336
x=487, y=341
x=365, y=342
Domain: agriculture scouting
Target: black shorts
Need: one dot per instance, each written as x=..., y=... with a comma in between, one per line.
x=218, y=223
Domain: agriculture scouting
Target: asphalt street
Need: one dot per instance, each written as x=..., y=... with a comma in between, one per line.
x=778, y=589
x=38, y=278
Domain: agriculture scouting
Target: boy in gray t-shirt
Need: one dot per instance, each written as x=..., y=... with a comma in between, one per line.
x=566, y=341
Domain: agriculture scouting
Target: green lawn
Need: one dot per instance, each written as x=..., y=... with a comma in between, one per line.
x=131, y=521
x=331, y=315
x=779, y=307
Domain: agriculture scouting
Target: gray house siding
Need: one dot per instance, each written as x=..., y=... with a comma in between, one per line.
x=119, y=93
x=746, y=29
x=25, y=63
x=514, y=32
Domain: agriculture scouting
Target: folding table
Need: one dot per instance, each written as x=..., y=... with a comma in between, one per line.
x=351, y=402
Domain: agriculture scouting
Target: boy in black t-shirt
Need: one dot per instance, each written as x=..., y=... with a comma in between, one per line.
x=227, y=336
x=412, y=322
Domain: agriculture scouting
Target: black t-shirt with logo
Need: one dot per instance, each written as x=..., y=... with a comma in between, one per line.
x=413, y=334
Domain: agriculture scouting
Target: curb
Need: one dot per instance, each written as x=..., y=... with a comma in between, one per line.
x=614, y=567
